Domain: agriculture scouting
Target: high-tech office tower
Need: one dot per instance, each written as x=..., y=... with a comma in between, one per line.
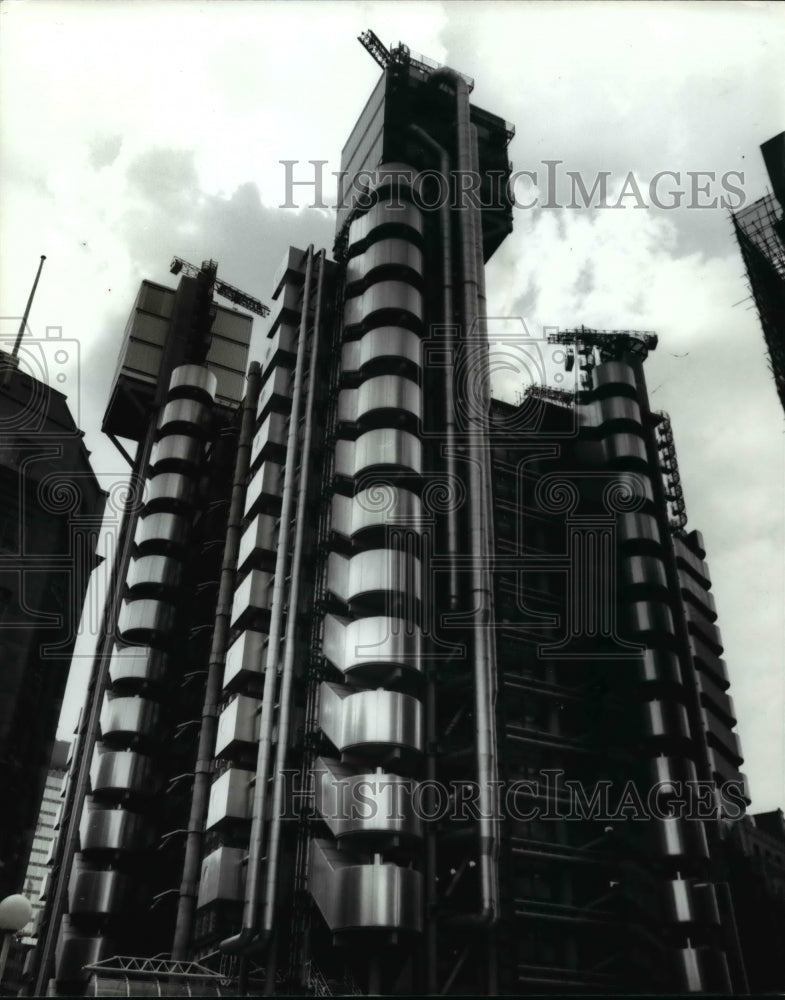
x=760, y=231
x=474, y=678
x=50, y=514
x=176, y=395
x=464, y=696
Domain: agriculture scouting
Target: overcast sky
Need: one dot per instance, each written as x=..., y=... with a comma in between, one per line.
x=135, y=131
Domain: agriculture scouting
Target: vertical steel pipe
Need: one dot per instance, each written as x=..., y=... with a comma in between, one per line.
x=450, y=448
x=453, y=598
x=287, y=670
x=479, y=517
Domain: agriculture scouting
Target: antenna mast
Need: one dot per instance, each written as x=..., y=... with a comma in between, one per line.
x=23, y=324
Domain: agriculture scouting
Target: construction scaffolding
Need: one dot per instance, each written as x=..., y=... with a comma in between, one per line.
x=760, y=232
x=563, y=397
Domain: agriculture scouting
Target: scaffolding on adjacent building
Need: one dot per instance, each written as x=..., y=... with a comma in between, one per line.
x=760, y=232
x=563, y=397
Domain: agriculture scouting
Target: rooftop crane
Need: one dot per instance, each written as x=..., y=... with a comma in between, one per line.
x=607, y=340
x=373, y=44
x=594, y=345
x=228, y=291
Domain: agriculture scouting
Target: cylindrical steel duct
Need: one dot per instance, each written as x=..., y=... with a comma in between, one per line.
x=481, y=549
x=450, y=447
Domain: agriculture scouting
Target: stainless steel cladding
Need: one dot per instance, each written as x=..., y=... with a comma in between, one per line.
x=281, y=348
x=721, y=737
x=137, y=665
x=286, y=308
x=714, y=693
x=378, y=420
x=698, y=624
x=161, y=532
x=144, y=622
x=230, y=796
x=362, y=806
x=691, y=902
x=223, y=876
x=393, y=298
x=698, y=595
x=393, y=343
x=704, y=969
x=270, y=440
x=647, y=573
x=666, y=720
x=190, y=416
x=393, y=254
x=384, y=392
x=258, y=541
x=264, y=489
x=625, y=448
x=707, y=659
x=356, y=895
x=379, y=448
x=635, y=485
x=276, y=392
x=113, y=830
x=237, y=725
x=370, y=720
x=687, y=559
x=398, y=176
x=611, y=410
x=75, y=951
x=244, y=660
x=154, y=574
x=681, y=839
x=195, y=381
x=121, y=773
x=369, y=647
x=382, y=505
x=387, y=212
x=617, y=376
x=170, y=491
x=251, y=599
x=375, y=570
x=176, y=453
x=129, y=719
x=648, y=618
x=638, y=528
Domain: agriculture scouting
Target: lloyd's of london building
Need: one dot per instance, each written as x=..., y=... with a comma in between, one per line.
x=402, y=689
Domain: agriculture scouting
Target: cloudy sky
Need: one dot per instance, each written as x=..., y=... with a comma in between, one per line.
x=135, y=131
